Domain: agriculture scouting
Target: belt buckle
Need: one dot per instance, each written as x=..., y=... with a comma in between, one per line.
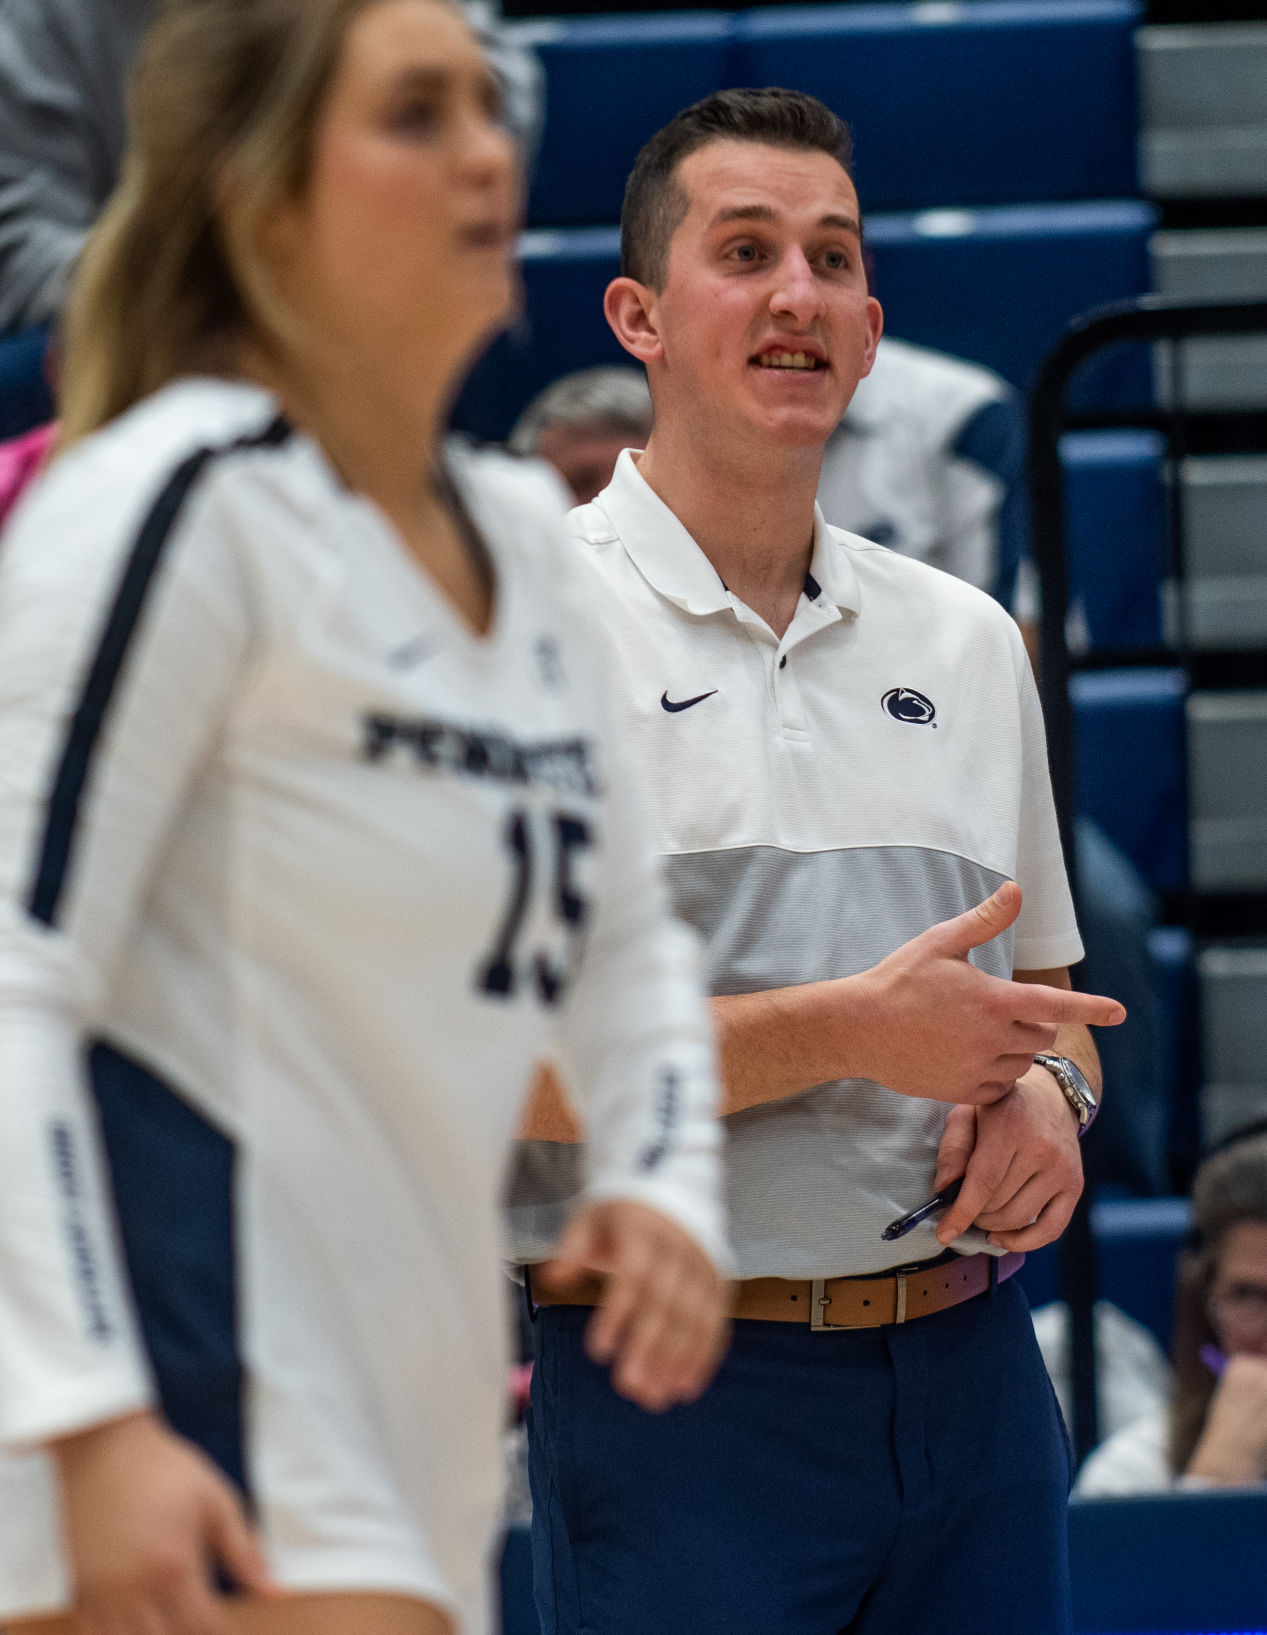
x=819, y=1300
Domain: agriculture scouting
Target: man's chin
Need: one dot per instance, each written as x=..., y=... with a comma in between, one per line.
x=796, y=431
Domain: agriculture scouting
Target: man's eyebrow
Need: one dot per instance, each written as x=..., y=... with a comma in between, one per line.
x=763, y=212
x=743, y=212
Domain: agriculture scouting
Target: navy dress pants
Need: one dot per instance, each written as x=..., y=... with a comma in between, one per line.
x=907, y=1480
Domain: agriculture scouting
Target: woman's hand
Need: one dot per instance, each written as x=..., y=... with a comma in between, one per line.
x=148, y=1521
x=1233, y=1446
x=663, y=1320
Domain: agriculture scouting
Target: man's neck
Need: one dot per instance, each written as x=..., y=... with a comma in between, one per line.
x=752, y=516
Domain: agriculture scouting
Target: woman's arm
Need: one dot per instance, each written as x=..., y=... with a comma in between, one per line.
x=123, y=630
x=118, y=651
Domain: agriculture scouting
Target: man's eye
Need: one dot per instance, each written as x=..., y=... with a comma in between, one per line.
x=745, y=252
x=836, y=260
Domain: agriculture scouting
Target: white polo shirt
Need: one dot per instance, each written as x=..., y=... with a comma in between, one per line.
x=821, y=800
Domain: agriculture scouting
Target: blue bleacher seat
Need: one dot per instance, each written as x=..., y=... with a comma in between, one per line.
x=563, y=328
x=26, y=399
x=1137, y=1240
x=998, y=286
x=1169, y=1562
x=1115, y=516
x=611, y=82
x=983, y=104
x=1001, y=101
x=1001, y=285
x=1129, y=738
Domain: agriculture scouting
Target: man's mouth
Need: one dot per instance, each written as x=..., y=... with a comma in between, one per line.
x=789, y=360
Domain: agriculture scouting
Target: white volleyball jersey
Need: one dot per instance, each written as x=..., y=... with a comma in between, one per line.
x=301, y=877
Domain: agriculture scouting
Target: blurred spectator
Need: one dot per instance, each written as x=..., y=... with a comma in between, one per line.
x=581, y=422
x=1132, y=1373
x=930, y=461
x=63, y=64
x=63, y=71
x=1214, y=1431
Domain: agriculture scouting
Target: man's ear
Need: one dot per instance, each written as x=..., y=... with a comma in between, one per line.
x=630, y=309
x=875, y=323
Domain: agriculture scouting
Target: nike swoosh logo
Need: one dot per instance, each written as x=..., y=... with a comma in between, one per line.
x=685, y=704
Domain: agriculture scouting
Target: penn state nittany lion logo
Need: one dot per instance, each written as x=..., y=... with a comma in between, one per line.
x=905, y=704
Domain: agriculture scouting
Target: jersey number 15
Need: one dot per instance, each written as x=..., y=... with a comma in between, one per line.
x=547, y=970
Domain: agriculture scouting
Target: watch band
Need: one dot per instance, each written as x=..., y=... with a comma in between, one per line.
x=1073, y=1086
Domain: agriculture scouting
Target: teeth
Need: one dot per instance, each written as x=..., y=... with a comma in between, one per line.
x=787, y=360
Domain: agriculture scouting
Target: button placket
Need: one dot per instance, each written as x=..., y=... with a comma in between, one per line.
x=787, y=694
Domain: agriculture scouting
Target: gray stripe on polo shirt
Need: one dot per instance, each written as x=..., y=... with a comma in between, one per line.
x=814, y=1178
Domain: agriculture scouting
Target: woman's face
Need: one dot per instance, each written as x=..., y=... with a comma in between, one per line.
x=1238, y=1294
x=398, y=254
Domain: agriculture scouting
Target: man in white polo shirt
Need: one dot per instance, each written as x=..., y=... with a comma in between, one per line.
x=846, y=755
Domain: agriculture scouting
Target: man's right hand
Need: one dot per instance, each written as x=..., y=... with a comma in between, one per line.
x=926, y=1022
x=148, y=1519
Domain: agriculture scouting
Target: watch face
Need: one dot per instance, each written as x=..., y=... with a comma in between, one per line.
x=1071, y=1079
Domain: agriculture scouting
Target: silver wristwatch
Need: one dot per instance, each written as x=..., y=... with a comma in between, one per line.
x=1074, y=1087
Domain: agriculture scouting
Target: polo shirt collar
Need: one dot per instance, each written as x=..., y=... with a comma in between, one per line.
x=672, y=563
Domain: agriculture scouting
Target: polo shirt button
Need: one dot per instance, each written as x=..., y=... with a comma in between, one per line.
x=783, y=662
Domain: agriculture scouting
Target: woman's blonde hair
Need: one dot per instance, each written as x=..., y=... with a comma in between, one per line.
x=223, y=106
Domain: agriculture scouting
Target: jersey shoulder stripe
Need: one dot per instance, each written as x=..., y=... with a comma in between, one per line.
x=53, y=858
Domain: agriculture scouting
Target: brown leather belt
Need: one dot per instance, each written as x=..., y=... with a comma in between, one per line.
x=844, y=1302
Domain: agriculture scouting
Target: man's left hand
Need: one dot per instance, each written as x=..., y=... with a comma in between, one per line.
x=1021, y=1167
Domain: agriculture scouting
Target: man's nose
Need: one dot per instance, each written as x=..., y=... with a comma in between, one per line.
x=796, y=294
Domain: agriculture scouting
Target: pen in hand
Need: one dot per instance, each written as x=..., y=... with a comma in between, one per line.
x=939, y=1200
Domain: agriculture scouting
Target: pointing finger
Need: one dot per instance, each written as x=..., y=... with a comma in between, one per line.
x=1036, y=1003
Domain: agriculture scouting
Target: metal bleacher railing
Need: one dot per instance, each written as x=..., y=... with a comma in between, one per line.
x=1223, y=675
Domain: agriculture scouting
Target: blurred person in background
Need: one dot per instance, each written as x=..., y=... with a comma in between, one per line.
x=309, y=793
x=580, y=424
x=1213, y=1431
x=930, y=460
x=64, y=67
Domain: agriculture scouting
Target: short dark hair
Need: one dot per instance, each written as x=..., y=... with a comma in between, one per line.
x=655, y=203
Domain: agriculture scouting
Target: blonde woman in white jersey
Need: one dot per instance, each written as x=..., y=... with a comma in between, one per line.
x=313, y=839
